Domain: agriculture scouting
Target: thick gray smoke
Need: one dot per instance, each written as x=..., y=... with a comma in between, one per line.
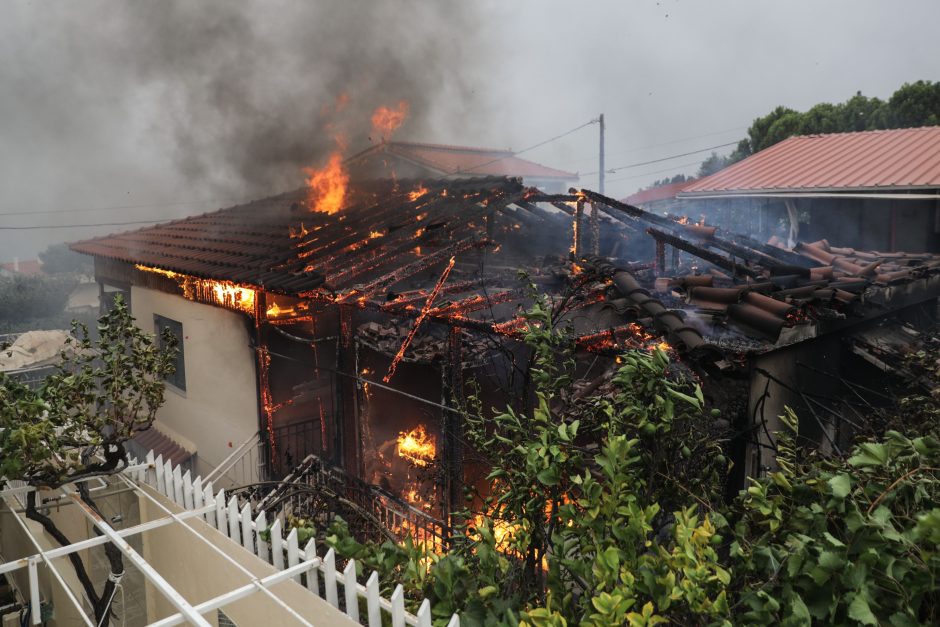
x=235, y=97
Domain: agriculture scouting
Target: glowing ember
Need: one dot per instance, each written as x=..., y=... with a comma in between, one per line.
x=416, y=446
x=233, y=296
x=386, y=120
x=166, y=273
x=376, y=234
x=224, y=293
x=418, y=193
x=300, y=231
x=327, y=186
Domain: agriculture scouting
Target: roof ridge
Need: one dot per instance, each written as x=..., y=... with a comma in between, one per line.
x=868, y=132
x=453, y=147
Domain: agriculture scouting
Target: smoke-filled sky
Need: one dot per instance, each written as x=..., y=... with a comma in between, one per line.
x=118, y=111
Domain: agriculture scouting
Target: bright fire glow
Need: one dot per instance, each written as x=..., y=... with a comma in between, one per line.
x=231, y=295
x=327, y=186
x=418, y=193
x=224, y=293
x=386, y=120
x=416, y=446
x=375, y=234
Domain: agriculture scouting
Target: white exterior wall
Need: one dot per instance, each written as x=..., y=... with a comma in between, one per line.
x=219, y=409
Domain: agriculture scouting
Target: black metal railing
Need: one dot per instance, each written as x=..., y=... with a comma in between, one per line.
x=292, y=444
x=397, y=517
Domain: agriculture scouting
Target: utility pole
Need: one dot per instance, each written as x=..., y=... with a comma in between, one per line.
x=600, y=173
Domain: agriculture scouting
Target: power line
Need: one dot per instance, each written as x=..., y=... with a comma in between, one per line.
x=533, y=147
x=78, y=226
x=669, y=143
x=672, y=169
x=113, y=207
x=684, y=154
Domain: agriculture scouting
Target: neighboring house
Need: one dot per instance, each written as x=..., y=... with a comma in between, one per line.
x=84, y=299
x=661, y=200
x=28, y=267
x=873, y=189
x=410, y=160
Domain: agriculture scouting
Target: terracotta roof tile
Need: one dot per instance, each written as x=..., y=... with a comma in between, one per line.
x=869, y=160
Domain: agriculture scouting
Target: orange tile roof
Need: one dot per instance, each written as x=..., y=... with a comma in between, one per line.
x=451, y=160
x=29, y=267
x=663, y=192
x=899, y=159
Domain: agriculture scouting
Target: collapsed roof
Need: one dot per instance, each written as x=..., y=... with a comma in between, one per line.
x=451, y=251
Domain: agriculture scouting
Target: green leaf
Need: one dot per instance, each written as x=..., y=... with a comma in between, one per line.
x=860, y=611
x=840, y=486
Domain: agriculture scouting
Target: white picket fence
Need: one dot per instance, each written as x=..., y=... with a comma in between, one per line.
x=241, y=526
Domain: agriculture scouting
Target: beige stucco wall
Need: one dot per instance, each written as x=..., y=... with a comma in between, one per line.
x=220, y=404
x=199, y=573
x=15, y=544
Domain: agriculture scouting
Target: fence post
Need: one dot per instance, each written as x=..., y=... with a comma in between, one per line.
x=207, y=497
x=158, y=474
x=372, y=600
x=329, y=578
x=151, y=462
x=293, y=553
x=349, y=587
x=277, y=545
x=424, y=614
x=454, y=621
x=261, y=524
x=168, y=481
x=187, y=491
x=178, y=486
x=398, y=607
x=245, y=517
x=198, y=500
x=310, y=552
x=233, y=531
x=220, y=512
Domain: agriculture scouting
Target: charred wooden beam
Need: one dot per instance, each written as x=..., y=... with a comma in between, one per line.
x=595, y=229
x=703, y=253
x=424, y=263
x=630, y=210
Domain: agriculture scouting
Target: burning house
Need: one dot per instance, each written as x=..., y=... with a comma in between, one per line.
x=352, y=332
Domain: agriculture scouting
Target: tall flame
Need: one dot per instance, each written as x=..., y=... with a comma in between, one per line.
x=386, y=120
x=416, y=446
x=327, y=186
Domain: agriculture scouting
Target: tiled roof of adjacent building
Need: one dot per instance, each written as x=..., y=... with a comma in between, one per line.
x=663, y=192
x=891, y=160
x=455, y=160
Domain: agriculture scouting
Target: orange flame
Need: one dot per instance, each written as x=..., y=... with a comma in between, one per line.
x=327, y=186
x=416, y=446
x=386, y=120
x=418, y=193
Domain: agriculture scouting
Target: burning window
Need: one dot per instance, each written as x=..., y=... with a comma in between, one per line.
x=161, y=324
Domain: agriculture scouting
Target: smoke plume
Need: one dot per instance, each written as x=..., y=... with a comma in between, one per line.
x=240, y=95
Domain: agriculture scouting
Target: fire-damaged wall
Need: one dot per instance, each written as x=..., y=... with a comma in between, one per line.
x=218, y=409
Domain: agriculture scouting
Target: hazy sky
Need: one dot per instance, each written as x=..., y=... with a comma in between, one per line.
x=184, y=107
